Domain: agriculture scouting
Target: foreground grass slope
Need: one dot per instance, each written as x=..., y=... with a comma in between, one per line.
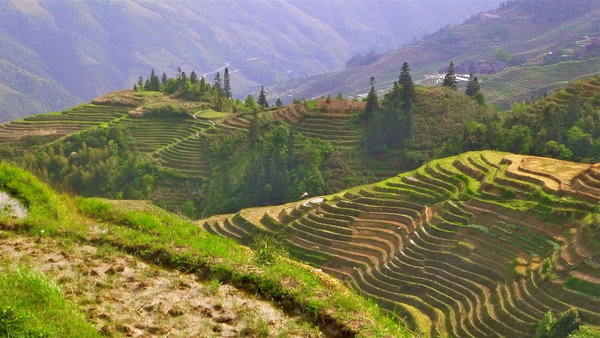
x=484, y=243
x=170, y=242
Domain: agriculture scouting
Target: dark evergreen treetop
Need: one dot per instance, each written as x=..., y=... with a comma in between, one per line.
x=372, y=105
x=472, y=86
x=153, y=82
x=408, y=87
x=405, y=77
x=226, y=83
x=450, y=78
x=193, y=77
x=164, y=79
x=278, y=103
x=262, y=99
x=218, y=85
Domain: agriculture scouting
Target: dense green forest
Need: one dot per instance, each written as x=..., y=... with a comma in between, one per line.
x=563, y=125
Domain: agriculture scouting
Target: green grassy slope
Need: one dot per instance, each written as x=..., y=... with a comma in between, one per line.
x=483, y=243
x=171, y=242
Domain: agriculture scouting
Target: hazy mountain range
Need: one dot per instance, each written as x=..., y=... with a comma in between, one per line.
x=56, y=53
x=525, y=31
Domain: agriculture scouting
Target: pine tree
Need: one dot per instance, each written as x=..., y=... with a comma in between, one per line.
x=408, y=87
x=262, y=99
x=164, y=79
x=140, y=83
x=472, y=86
x=218, y=85
x=226, y=83
x=202, y=84
x=372, y=103
x=450, y=78
x=405, y=77
x=153, y=82
x=278, y=103
x=193, y=77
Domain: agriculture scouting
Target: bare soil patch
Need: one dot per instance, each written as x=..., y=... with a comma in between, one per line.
x=122, y=295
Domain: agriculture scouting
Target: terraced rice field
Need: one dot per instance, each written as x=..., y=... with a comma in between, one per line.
x=176, y=142
x=62, y=123
x=333, y=127
x=453, y=248
x=519, y=84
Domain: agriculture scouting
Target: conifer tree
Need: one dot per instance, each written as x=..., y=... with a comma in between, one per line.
x=408, y=87
x=262, y=99
x=372, y=103
x=193, y=77
x=278, y=103
x=164, y=79
x=140, y=84
x=153, y=82
x=202, y=84
x=218, y=84
x=407, y=97
x=472, y=86
x=226, y=83
x=405, y=77
x=450, y=78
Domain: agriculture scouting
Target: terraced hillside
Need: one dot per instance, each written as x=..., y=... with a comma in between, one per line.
x=328, y=120
x=331, y=121
x=480, y=244
x=521, y=84
x=175, y=142
x=55, y=125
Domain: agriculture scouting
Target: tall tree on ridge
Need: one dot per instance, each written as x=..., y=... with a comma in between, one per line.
x=262, y=99
x=372, y=103
x=407, y=97
x=153, y=82
x=218, y=85
x=226, y=83
x=450, y=78
x=472, y=86
x=193, y=77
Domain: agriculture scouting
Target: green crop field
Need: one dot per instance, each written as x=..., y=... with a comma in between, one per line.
x=453, y=248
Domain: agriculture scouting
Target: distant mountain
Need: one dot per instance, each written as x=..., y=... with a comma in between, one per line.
x=55, y=53
x=524, y=33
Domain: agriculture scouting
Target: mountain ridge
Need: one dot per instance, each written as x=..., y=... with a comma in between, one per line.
x=90, y=48
x=523, y=29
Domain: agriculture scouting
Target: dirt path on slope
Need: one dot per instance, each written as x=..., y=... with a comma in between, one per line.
x=122, y=295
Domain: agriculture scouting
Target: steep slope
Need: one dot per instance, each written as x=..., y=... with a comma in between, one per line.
x=526, y=30
x=138, y=270
x=85, y=49
x=483, y=243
